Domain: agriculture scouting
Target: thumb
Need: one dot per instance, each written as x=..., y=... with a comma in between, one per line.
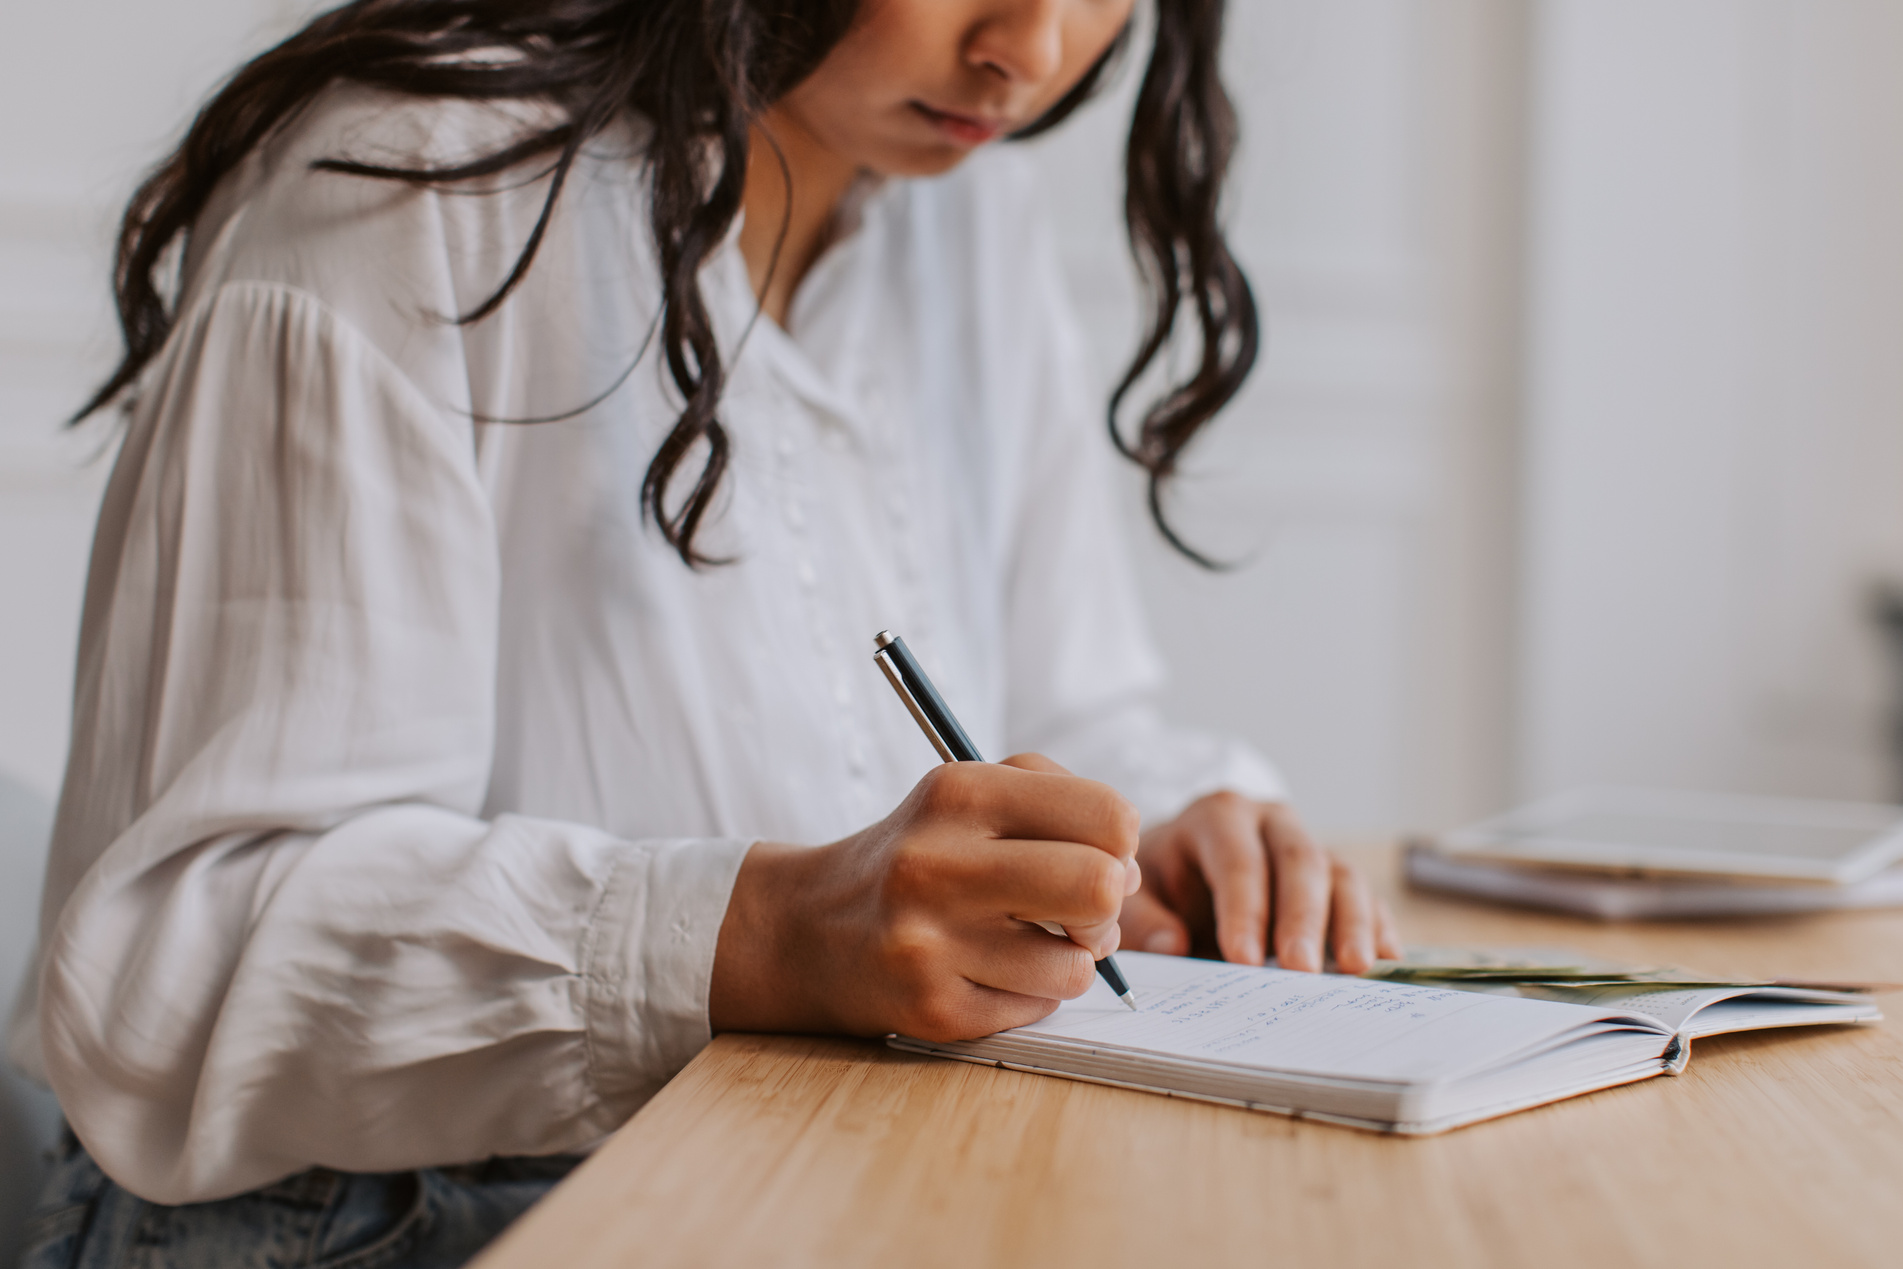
x=1148, y=926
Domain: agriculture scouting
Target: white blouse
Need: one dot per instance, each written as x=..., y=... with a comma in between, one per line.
x=411, y=769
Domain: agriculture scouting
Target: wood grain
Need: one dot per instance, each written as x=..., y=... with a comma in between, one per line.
x=1775, y=1148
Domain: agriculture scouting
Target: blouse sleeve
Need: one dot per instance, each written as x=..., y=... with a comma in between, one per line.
x=1085, y=675
x=290, y=940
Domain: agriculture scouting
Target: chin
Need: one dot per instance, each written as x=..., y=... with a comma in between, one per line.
x=920, y=160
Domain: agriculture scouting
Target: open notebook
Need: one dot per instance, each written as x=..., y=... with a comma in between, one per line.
x=1392, y=1056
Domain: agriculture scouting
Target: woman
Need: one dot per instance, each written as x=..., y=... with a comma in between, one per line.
x=555, y=399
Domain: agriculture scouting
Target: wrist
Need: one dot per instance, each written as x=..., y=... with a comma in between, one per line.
x=764, y=975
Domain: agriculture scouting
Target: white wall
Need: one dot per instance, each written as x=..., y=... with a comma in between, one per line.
x=1715, y=423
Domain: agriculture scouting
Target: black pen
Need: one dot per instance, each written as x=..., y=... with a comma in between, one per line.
x=935, y=719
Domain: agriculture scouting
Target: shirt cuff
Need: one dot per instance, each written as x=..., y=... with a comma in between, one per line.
x=649, y=965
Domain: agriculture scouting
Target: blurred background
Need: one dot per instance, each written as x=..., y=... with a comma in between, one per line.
x=1574, y=456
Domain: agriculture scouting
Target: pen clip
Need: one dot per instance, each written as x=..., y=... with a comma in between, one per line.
x=915, y=687
x=884, y=658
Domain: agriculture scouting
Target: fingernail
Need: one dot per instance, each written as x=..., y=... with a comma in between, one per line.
x=1161, y=941
x=1304, y=953
x=1249, y=952
x=1133, y=877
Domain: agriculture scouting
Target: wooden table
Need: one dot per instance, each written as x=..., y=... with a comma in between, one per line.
x=1774, y=1148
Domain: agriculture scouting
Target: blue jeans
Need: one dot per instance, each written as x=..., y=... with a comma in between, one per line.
x=432, y=1219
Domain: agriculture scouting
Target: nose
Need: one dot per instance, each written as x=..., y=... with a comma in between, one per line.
x=1021, y=41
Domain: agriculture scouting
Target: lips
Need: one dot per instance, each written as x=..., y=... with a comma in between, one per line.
x=968, y=130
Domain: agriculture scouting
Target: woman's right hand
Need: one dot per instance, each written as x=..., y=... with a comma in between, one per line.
x=920, y=924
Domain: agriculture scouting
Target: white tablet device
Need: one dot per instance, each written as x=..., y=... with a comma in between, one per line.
x=1653, y=832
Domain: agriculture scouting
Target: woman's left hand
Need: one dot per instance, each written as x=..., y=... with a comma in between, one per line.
x=1235, y=876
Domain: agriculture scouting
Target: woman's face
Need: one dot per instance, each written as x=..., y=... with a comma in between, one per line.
x=916, y=85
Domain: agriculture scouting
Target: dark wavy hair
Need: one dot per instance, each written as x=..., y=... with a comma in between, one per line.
x=701, y=72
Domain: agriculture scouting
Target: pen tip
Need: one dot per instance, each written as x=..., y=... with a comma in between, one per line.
x=1129, y=998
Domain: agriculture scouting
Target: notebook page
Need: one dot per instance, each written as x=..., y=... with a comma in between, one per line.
x=1670, y=1007
x=1322, y=1024
x=1676, y=1007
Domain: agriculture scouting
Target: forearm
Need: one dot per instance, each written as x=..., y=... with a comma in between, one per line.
x=765, y=967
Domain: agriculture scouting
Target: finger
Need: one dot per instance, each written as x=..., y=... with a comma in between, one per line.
x=1028, y=961
x=1352, y=929
x=1228, y=852
x=1387, y=939
x=1301, y=890
x=1099, y=938
x=1012, y=802
x=1039, y=763
x=1149, y=926
x=1173, y=876
x=1071, y=884
x=968, y=1010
